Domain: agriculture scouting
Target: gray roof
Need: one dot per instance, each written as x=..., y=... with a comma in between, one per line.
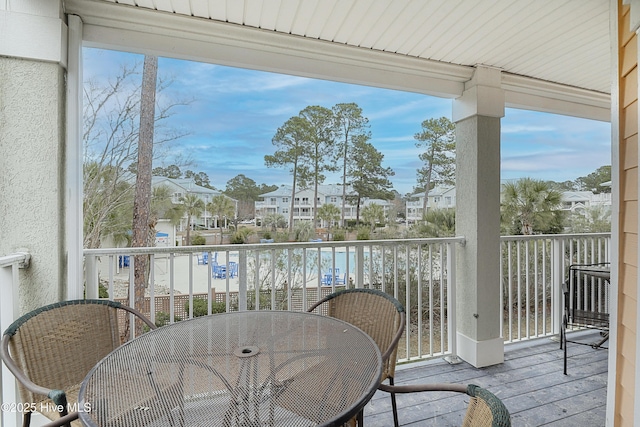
x=187, y=184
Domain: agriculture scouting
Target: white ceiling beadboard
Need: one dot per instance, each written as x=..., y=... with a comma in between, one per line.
x=558, y=41
x=564, y=42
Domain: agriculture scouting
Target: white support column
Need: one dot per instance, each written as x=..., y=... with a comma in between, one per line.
x=477, y=116
x=73, y=193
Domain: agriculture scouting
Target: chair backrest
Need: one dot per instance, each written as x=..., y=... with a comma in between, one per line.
x=233, y=268
x=485, y=409
x=57, y=345
x=378, y=314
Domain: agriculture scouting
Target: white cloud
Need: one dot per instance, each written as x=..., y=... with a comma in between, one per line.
x=558, y=165
x=399, y=138
x=215, y=79
x=526, y=128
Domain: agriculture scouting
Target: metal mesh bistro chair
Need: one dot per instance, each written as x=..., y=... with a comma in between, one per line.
x=484, y=410
x=51, y=349
x=379, y=315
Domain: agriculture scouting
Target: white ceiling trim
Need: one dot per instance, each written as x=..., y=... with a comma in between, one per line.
x=109, y=25
x=140, y=30
x=531, y=94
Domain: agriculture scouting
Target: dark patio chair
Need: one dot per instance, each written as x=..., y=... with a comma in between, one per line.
x=378, y=314
x=484, y=410
x=50, y=350
x=586, y=303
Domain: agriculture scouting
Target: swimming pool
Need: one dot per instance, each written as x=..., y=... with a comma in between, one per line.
x=340, y=260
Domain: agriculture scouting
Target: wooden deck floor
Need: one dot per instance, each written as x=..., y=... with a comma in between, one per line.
x=530, y=382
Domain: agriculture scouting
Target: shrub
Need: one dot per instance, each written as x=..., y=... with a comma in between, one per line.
x=240, y=236
x=237, y=238
x=198, y=240
x=303, y=231
x=363, y=234
x=103, y=292
x=338, y=235
x=200, y=307
x=281, y=236
x=218, y=307
x=162, y=318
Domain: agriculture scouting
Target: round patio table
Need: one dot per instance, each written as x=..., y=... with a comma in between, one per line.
x=252, y=368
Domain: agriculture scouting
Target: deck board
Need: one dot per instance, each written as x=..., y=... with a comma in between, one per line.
x=529, y=382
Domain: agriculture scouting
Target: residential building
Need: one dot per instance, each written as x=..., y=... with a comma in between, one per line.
x=183, y=186
x=579, y=201
x=445, y=198
x=440, y=197
x=279, y=202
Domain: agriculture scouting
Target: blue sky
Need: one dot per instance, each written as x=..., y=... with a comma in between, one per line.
x=234, y=113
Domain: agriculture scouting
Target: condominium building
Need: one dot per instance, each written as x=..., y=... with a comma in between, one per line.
x=445, y=198
x=279, y=202
x=179, y=188
x=440, y=197
x=579, y=201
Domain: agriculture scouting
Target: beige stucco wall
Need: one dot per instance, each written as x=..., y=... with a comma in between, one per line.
x=32, y=174
x=628, y=220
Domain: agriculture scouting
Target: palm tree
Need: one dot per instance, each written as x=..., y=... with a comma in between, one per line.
x=531, y=206
x=303, y=230
x=274, y=220
x=193, y=206
x=438, y=223
x=373, y=214
x=329, y=213
x=221, y=207
x=162, y=206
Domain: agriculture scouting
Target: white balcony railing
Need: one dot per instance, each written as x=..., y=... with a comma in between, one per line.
x=532, y=271
x=9, y=285
x=291, y=276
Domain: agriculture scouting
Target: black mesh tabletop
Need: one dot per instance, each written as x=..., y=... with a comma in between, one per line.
x=245, y=369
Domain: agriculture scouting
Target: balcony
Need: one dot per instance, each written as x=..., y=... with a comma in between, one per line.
x=289, y=276
x=529, y=382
